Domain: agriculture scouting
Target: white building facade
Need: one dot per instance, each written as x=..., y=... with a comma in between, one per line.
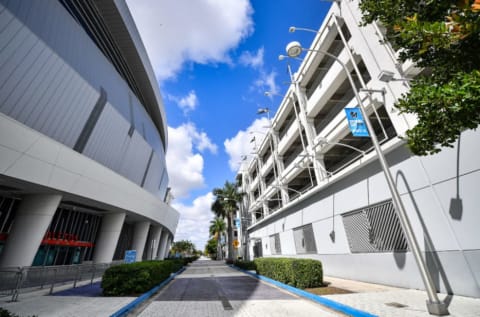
x=83, y=137
x=316, y=191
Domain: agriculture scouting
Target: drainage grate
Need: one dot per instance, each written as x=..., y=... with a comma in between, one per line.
x=396, y=305
x=226, y=304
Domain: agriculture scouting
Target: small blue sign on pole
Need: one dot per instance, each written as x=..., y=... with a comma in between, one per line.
x=356, y=123
x=130, y=256
x=237, y=222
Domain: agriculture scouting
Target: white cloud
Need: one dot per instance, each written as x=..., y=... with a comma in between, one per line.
x=195, y=220
x=266, y=82
x=180, y=31
x=200, y=139
x=184, y=163
x=241, y=144
x=253, y=60
x=187, y=103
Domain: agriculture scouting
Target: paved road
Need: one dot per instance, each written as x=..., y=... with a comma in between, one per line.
x=210, y=288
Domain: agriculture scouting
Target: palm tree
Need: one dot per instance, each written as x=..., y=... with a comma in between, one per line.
x=225, y=206
x=183, y=247
x=217, y=228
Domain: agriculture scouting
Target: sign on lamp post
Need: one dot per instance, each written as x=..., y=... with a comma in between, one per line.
x=356, y=123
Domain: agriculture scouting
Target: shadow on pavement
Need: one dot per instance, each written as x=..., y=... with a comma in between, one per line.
x=215, y=288
x=89, y=290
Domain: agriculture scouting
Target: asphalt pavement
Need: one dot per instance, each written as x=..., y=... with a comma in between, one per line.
x=208, y=288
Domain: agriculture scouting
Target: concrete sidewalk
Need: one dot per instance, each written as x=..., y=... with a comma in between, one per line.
x=41, y=304
x=388, y=301
x=210, y=288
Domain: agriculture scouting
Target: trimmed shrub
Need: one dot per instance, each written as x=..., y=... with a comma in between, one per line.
x=300, y=273
x=137, y=278
x=190, y=259
x=245, y=265
x=6, y=313
x=185, y=260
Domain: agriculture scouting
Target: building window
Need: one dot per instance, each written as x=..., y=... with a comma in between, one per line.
x=346, y=32
x=304, y=240
x=335, y=49
x=294, y=150
x=258, y=213
x=340, y=98
x=274, y=202
x=270, y=176
x=257, y=249
x=375, y=228
x=342, y=155
x=275, y=246
x=287, y=123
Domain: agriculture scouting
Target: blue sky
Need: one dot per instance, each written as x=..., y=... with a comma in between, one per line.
x=214, y=60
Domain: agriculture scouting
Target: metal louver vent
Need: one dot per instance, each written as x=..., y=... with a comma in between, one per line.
x=304, y=239
x=275, y=244
x=374, y=229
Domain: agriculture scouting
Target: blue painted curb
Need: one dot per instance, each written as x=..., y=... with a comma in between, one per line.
x=125, y=309
x=316, y=298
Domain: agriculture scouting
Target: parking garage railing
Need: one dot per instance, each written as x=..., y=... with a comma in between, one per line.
x=16, y=280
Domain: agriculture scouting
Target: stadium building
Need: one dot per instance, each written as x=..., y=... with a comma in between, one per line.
x=83, y=137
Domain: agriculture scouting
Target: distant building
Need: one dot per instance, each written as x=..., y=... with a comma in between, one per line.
x=313, y=190
x=83, y=137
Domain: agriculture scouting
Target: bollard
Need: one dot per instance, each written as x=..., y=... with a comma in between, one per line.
x=53, y=281
x=18, y=282
x=76, y=276
x=44, y=269
x=93, y=274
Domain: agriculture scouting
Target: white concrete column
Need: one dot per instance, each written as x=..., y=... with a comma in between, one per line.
x=310, y=128
x=153, y=242
x=308, y=124
x=283, y=189
x=163, y=245
x=140, y=233
x=321, y=163
x=32, y=219
x=169, y=243
x=108, y=237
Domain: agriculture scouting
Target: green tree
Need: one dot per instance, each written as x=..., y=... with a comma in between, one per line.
x=444, y=38
x=217, y=228
x=183, y=247
x=225, y=206
x=211, y=248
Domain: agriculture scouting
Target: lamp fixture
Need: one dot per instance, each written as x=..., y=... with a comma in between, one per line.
x=263, y=110
x=294, y=49
x=385, y=75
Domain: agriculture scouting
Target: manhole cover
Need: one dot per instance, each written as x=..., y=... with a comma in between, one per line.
x=396, y=305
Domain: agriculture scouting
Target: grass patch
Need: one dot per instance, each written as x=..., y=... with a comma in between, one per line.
x=326, y=289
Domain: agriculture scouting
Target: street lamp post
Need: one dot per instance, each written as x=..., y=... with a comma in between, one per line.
x=299, y=127
x=309, y=147
x=434, y=305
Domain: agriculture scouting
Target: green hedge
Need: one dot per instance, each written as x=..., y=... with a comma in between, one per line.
x=300, y=273
x=6, y=313
x=185, y=260
x=245, y=265
x=137, y=278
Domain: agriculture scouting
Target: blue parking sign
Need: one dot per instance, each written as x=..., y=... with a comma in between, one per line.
x=130, y=256
x=356, y=123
